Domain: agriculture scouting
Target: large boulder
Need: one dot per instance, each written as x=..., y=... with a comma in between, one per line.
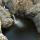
x=16, y=5
x=2, y=37
x=0, y=2
x=5, y=17
x=35, y=10
x=36, y=1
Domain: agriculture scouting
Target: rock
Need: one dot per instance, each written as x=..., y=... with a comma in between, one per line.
x=5, y=17
x=2, y=37
x=0, y=2
x=36, y=1
x=35, y=10
x=0, y=25
x=5, y=1
x=7, y=22
x=16, y=5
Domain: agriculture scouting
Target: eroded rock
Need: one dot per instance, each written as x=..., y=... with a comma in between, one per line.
x=2, y=37
x=35, y=10
x=20, y=5
x=0, y=2
x=5, y=17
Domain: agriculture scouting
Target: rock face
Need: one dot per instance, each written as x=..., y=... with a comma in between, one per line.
x=26, y=5
x=5, y=17
x=0, y=2
x=36, y=11
x=35, y=8
x=36, y=1
x=20, y=5
x=2, y=37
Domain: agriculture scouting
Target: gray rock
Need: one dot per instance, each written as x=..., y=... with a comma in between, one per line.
x=2, y=37
x=5, y=17
x=36, y=19
x=14, y=6
x=36, y=1
x=35, y=8
x=0, y=2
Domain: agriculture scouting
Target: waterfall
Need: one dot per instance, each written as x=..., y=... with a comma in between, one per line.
x=14, y=19
x=18, y=22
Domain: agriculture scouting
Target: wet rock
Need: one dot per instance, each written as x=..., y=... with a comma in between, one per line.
x=2, y=37
x=5, y=17
x=16, y=5
x=35, y=10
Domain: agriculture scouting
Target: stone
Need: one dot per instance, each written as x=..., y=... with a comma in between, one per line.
x=2, y=37
x=36, y=1
x=5, y=17
x=35, y=10
x=0, y=2
x=16, y=5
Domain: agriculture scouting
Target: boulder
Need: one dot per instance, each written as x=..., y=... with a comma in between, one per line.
x=35, y=10
x=2, y=37
x=5, y=17
x=0, y=2
x=16, y=5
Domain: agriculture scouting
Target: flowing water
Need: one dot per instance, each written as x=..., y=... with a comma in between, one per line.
x=18, y=22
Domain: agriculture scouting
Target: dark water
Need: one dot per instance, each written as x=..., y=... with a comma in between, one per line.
x=27, y=33
x=21, y=35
